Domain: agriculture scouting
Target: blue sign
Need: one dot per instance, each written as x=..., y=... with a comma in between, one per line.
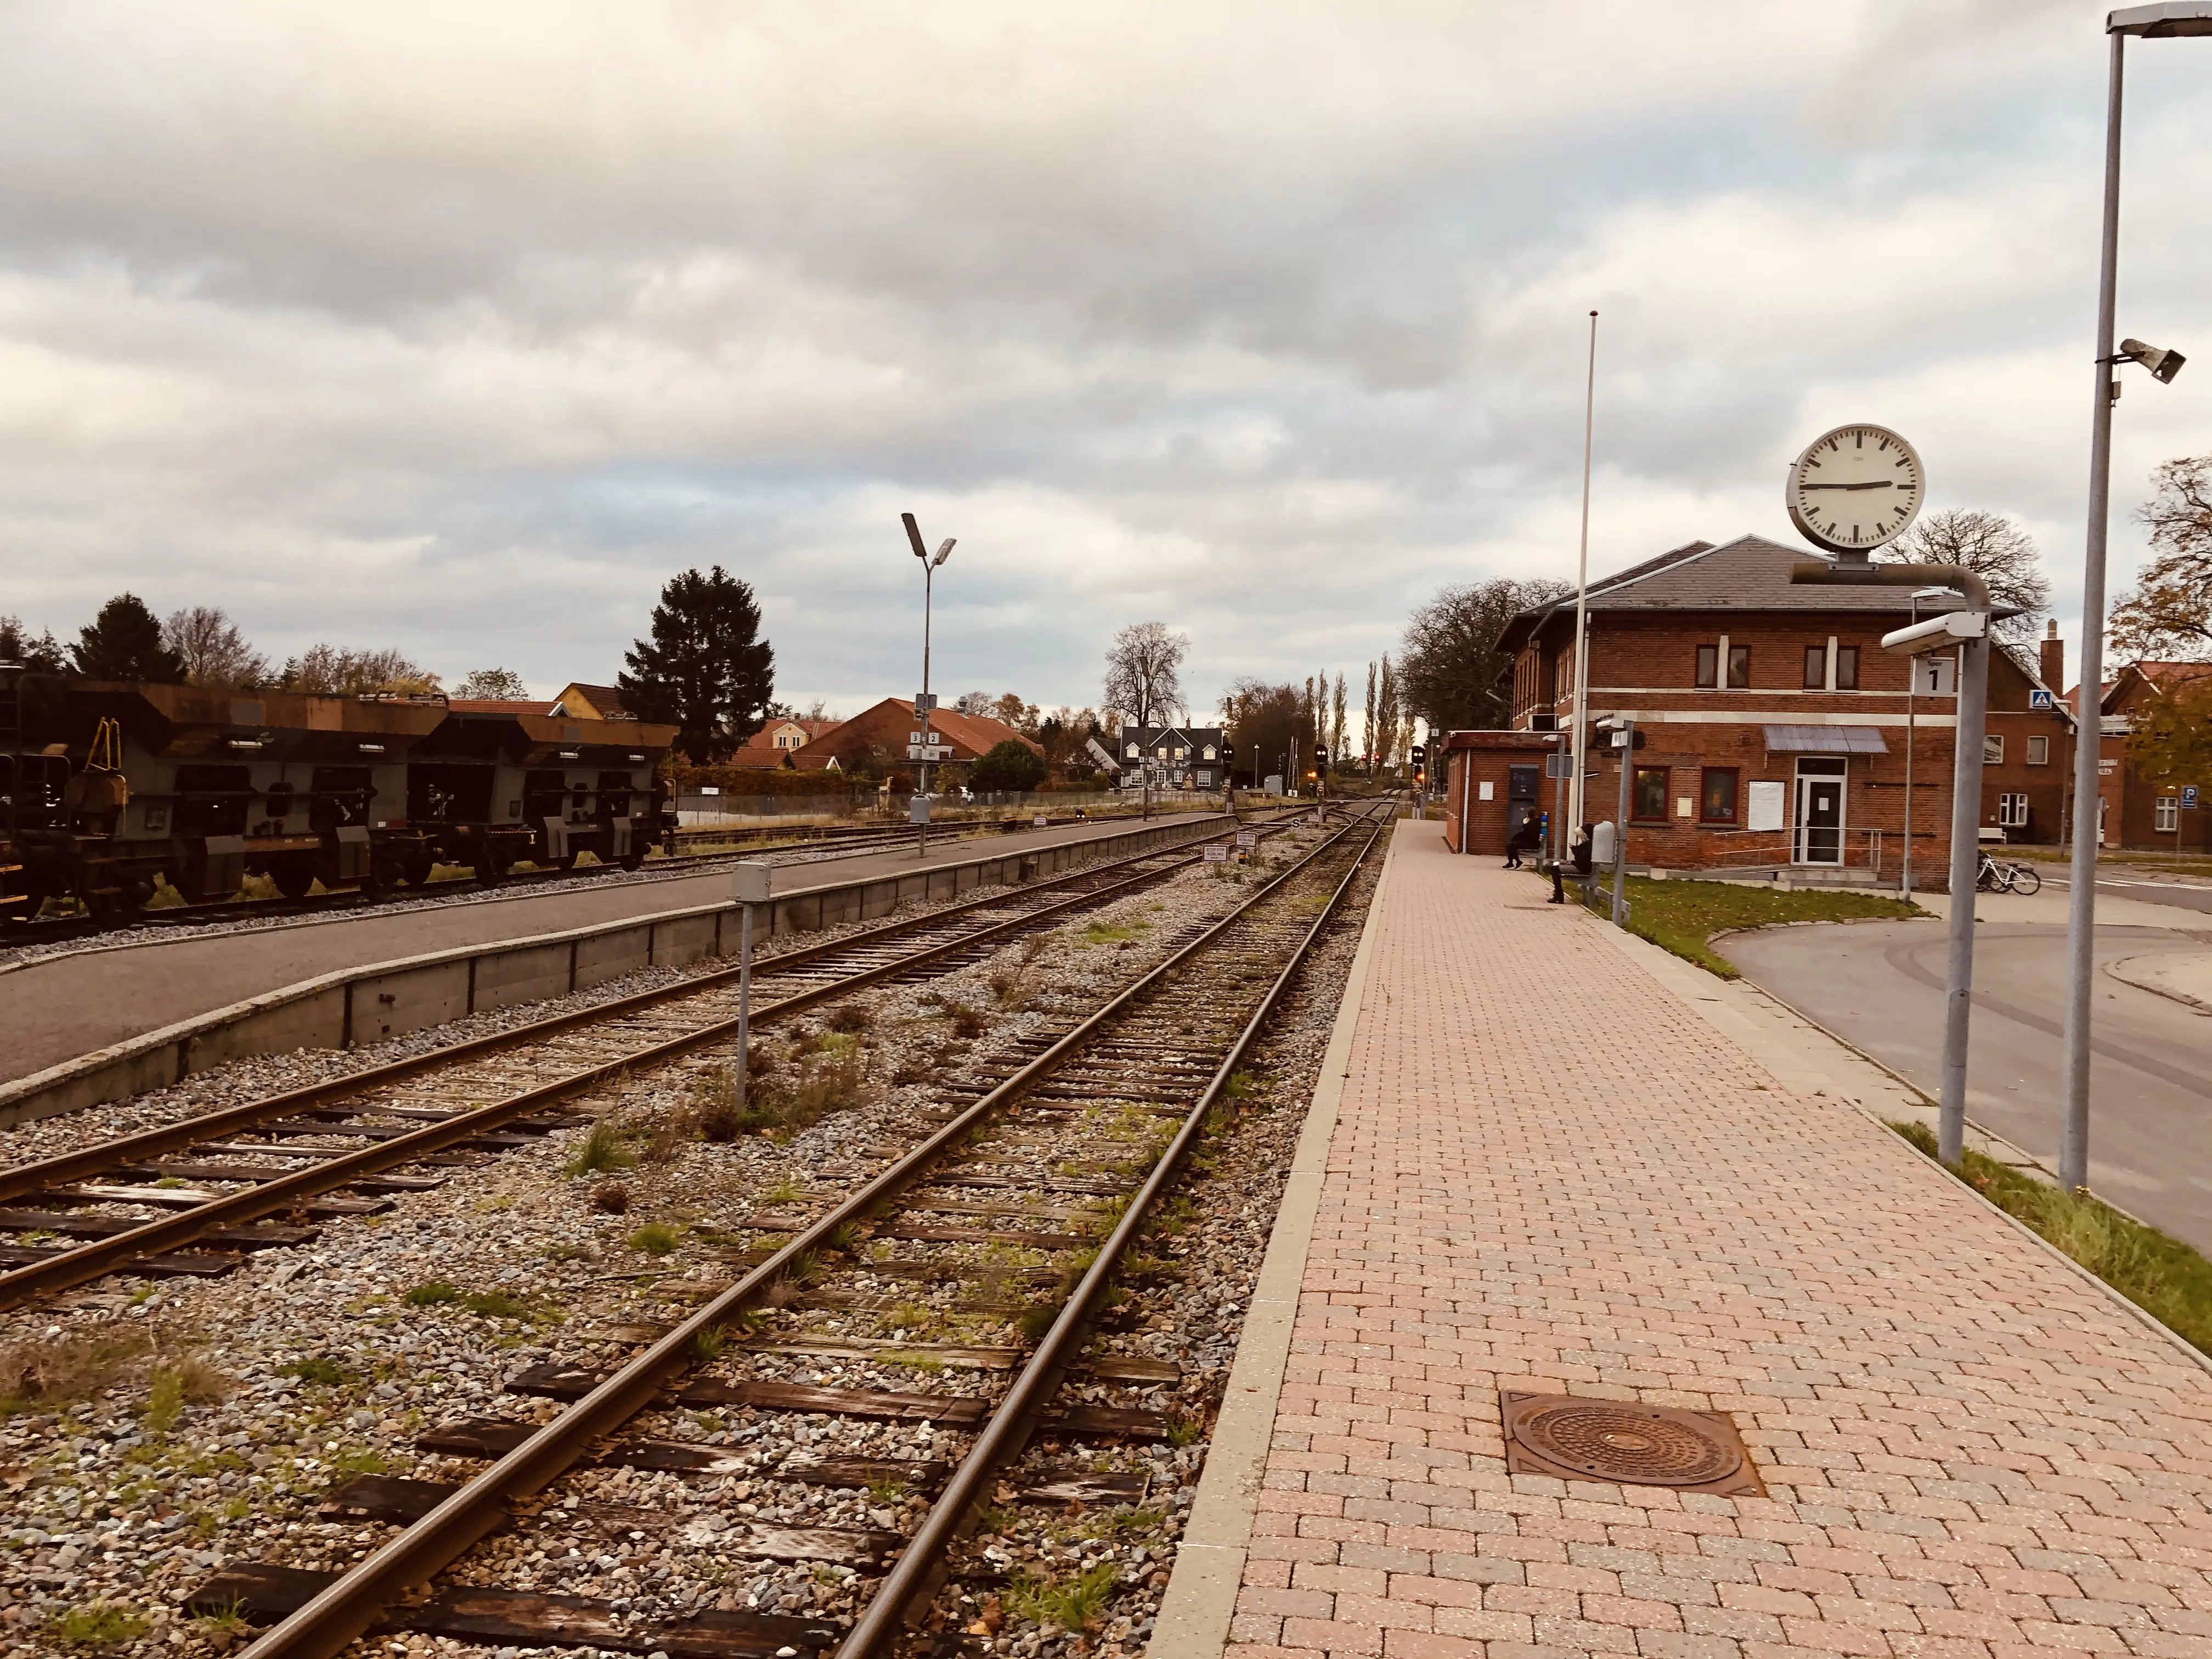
x=2040, y=698
x=2188, y=797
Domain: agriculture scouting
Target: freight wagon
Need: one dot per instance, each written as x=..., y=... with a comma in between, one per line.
x=106, y=789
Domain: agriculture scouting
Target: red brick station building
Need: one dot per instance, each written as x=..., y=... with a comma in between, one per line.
x=1773, y=727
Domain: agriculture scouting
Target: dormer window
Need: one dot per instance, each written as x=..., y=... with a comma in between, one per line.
x=1209, y=751
x=1133, y=751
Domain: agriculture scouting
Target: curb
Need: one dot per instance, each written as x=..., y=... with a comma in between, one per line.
x=2156, y=990
x=1201, y=1599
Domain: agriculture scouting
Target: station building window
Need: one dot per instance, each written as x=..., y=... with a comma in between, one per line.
x=1647, y=799
x=1718, y=796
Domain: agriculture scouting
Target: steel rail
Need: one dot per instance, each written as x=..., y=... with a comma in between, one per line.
x=323, y=1626
x=920, y=1566
x=151, y=1143
x=97, y=1258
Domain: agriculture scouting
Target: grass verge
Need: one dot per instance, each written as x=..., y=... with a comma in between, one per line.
x=2163, y=1277
x=1681, y=916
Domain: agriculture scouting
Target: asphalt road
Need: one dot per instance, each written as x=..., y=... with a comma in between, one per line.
x=1880, y=985
x=60, y=1007
x=2148, y=889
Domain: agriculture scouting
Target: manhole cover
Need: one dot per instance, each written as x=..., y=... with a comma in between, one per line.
x=1577, y=1439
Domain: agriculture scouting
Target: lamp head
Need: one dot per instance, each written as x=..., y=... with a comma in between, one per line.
x=943, y=553
x=913, y=535
x=2163, y=365
x=2164, y=21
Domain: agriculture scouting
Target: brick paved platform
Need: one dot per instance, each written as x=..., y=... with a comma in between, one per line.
x=1545, y=1158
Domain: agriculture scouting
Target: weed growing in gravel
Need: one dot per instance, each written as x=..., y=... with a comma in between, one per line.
x=888, y=1491
x=783, y=1190
x=191, y=1379
x=851, y=1019
x=432, y=1293
x=604, y=1148
x=1184, y=1429
x=56, y=1368
x=230, y=1621
x=498, y=1304
x=328, y=1372
x=611, y=1199
x=712, y=1343
x=98, y=1626
x=656, y=1238
x=1107, y=932
x=1070, y=1603
x=348, y=1464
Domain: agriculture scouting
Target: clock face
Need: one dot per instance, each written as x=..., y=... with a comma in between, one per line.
x=1855, y=489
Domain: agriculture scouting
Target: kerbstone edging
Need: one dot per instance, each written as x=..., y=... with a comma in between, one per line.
x=1201, y=1594
x=369, y=1002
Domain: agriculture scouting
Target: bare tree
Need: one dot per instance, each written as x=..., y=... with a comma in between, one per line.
x=1144, y=671
x=493, y=685
x=1367, y=725
x=975, y=703
x=1995, y=549
x=1450, y=672
x=2169, y=614
x=1386, y=713
x=1336, y=722
x=334, y=671
x=215, y=653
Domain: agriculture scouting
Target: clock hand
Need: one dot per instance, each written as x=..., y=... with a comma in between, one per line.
x=1879, y=483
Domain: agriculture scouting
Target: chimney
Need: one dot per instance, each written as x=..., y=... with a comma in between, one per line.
x=2051, y=661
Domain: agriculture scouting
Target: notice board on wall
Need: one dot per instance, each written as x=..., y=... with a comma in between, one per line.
x=1768, y=807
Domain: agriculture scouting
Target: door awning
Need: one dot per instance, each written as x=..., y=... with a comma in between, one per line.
x=1826, y=740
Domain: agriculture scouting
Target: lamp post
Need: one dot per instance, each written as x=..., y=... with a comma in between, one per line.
x=925, y=705
x=1968, y=630
x=2163, y=22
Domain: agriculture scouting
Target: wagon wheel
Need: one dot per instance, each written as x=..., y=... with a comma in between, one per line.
x=293, y=876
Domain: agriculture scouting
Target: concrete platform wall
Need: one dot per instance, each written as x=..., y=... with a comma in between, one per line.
x=385, y=999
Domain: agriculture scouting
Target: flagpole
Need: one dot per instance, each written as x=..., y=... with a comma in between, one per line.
x=1581, y=603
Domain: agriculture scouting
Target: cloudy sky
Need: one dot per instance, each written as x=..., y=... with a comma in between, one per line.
x=460, y=328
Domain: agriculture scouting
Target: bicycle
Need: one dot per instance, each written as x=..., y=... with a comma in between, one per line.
x=1996, y=876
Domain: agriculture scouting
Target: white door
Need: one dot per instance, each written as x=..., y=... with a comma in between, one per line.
x=1820, y=838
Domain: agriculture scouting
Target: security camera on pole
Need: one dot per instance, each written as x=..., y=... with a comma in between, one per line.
x=923, y=746
x=1852, y=490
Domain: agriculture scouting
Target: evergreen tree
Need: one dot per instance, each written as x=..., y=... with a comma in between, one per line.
x=706, y=671
x=42, y=656
x=124, y=642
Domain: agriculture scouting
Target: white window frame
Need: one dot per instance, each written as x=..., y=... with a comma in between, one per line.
x=2038, y=750
x=2167, y=815
x=2012, y=811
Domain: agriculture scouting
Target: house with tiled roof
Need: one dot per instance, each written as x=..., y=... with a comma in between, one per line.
x=591, y=702
x=2134, y=812
x=779, y=740
x=880, y=736
x=1773, y=733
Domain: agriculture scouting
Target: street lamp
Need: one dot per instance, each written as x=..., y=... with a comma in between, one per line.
x=925, y=705
x=2156, y=22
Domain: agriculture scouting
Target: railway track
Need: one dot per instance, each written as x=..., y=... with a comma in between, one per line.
x=853, y=842
x=342, y=1147
x=1020, y=1195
